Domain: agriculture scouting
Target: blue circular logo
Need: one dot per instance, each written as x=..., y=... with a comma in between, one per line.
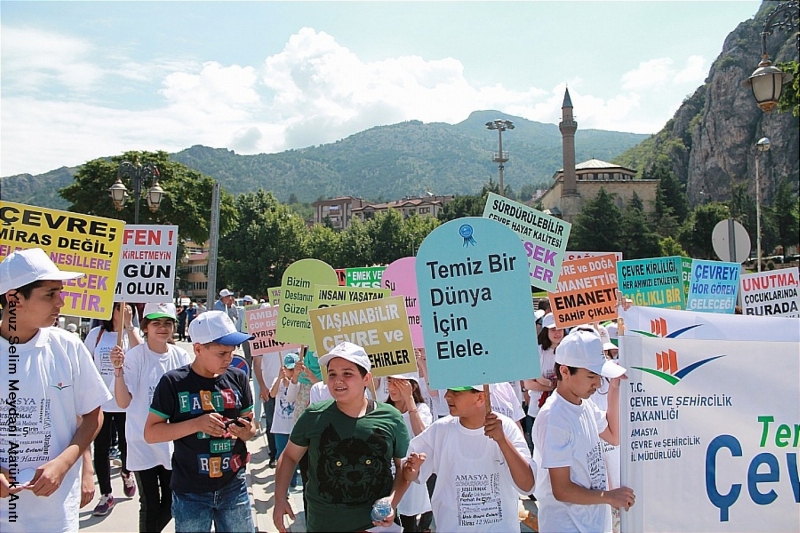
x=465, y=231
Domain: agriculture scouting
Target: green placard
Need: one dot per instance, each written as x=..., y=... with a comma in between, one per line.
x=364, y=277
x=297, y=293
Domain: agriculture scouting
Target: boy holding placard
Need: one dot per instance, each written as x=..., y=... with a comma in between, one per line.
x=572, y=491
x=481, y=461
x=351, y=443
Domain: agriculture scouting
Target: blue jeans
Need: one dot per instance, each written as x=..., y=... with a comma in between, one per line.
x=281, y=440
x=229, y=508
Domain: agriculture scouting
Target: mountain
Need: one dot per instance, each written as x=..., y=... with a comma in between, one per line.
x=387, y=162
x=710, y=141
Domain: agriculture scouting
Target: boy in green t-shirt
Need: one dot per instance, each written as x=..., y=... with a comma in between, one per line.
x=351, y=443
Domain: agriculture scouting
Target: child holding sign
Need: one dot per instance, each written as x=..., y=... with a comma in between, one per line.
x=482, y=465
x=351, y=442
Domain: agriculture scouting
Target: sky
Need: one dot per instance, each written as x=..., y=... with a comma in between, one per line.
x=82, y=80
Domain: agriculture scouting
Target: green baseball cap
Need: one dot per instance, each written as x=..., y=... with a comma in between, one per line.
x=462, y=389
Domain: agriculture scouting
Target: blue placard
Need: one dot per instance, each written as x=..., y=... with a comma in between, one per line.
x=475, y=305
x=713, y=286
x=240, y=363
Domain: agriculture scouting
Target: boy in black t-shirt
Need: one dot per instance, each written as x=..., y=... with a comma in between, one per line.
x=206, y=408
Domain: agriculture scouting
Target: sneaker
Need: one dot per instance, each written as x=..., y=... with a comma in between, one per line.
x=104, y=506
x=113, y=453
x=272, y=463
x=129, y=484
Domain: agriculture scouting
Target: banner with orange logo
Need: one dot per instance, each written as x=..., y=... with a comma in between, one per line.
x=704, y=445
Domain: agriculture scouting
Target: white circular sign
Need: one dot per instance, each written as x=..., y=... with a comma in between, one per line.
x=729, y=232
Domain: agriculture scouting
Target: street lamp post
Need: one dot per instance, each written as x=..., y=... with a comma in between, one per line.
x=138, y=174
x=767, y=80
x=762, y=145
x=500, y=157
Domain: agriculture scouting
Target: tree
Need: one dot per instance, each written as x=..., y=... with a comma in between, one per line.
x=790, y=98
x=356, y=245
x=670, y=247
x=597, y=227
x=325, y=244
x=187, y=203
x=637, y=238
x=268, y=239
x=671, y=204
x=385, y=231
x=526, y=192
x=468, y=205
x=415, y=229
x=695, y=235
x=784, y=216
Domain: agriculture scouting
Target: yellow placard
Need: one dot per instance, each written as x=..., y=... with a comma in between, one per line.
x=75, y=242
x=379, y=326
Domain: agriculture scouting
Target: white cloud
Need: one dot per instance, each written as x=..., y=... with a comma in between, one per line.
x=313, y=91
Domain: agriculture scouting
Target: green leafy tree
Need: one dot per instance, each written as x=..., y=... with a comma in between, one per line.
x=187, y=203
x=695, y=235
x=670, y=247
x=268, y=239
x=790, y=98
x=356, y=245
x=598, y=226
x=787, y=230
x=526, y=192
x=468, y=205
x=386, y=234
x=637, y=238
x=325, y=244
x=671, y=205
x=415, y=229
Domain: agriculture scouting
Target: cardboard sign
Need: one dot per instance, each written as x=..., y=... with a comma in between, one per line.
x=330, y=295
x=686, y=273
x=364, y=277
x=771, y=293
x=713, y=286
x=570, y=255
x=475, y=304
x=274, y=296
x=341, y=275
x=297, y=292
x=261, y=323
x=401, y=278
x=379, y=326
x=653, y=282
x=147, y=265
x=74, y=242
x=544, y=237
x=586, y=291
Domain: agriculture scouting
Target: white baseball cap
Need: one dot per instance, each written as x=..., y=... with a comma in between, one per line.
x=248, y=298
x=606, y=339
x=225, y=292
x=548, y=321
x=539, y=313
x=584, y=349
x=349, y=352
x=407, y=376
x=216, y=326
x=153, y=311
x=26, y=266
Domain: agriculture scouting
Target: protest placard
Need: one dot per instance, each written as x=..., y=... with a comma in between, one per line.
x=330, y=295
x=364, y=277
x=146, y=270
x=686, y=276
x=771, y=293
x=586, y=291
x=543, y=236
x=654, y=282
x=713, y=286
x=570, y=255
x=74, y=242
x=341, y=275
x=297, y=292
x=274, y=295
x=687, y=410
x=401, y=278
x=379, y=326
x=475, y=304
x=261, y=323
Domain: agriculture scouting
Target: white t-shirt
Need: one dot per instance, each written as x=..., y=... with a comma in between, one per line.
x=505, y=401
x=142, y=372
x=474, y=488
x=100, y=350
x=431, y=401
x=547, y=360
x=565, y=434
x=610, y=452
x=55, y=381
x=319, y=393
x=271, y=364
x=416, y=499
x=283, y=416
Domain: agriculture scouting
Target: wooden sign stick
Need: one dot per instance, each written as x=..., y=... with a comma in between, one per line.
x=488, y=398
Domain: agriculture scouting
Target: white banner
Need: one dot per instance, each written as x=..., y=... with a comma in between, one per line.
x=709, y=421
x=771, y=293
x=146, y=271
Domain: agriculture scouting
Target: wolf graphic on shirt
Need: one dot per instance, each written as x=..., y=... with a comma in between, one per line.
x=352, y=469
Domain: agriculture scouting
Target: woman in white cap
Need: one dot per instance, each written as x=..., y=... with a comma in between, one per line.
x=136, y=375
x=405, y=395
x=540, y=388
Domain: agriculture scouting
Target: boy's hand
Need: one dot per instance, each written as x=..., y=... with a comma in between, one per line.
x=243, y=429
x=212, y=423
x=48, y=477
x=493, y=428
x=412, y=465
x=87, y=488
x=621, y=498
x=282, y=507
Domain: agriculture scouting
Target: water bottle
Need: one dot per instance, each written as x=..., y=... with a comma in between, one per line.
x=381, y=509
